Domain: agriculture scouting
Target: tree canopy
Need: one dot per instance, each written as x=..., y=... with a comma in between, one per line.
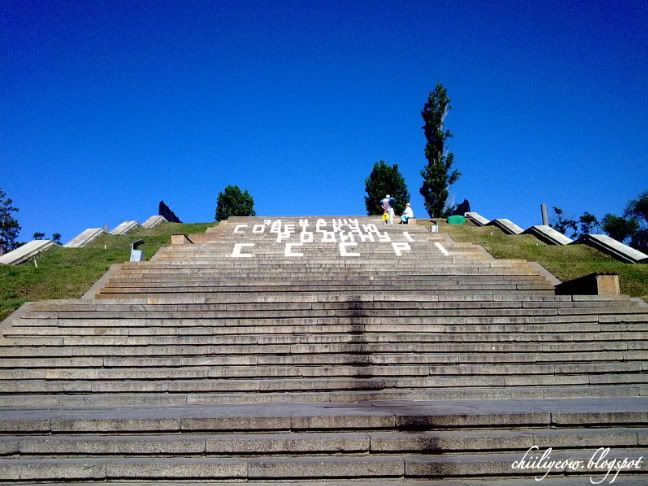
x=438, y=174
x=385, y=179
x=9, y=226
x=234, y=202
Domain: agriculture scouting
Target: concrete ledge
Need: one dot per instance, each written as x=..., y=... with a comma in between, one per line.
x=84, y=238
x=123, y=228
x=25, y=252
x=154, y=221
x=547, y=234
x=101, y=283
x=613, y=247
x=506, y=225
x=181, y=240
x=553, y=280
x=606, y=284
x=477, y=218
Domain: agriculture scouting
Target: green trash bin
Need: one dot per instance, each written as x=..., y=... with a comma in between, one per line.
x=456, y=219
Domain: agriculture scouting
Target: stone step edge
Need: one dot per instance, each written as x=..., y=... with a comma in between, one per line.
x=297, y=467
x=281, y=442
x=81, y=400
x=400, y=414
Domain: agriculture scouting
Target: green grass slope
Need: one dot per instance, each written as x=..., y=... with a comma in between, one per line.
x=565, y=262
x=67, y=273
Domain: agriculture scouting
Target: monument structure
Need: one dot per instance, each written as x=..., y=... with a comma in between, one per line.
x=325, y=349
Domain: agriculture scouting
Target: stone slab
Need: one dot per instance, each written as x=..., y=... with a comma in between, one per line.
x=507, y=226
x=85, y=237
x=154, y=221
x=477, y=218
x=592, y=284
x=25, y=252
x=319, y=416
x=625, y=480
x=123, y=228
x=547, y=234
x=613, y=247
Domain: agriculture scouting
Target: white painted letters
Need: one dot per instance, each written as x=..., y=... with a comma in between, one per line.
x=236, y=252
x=345, y=253
x=400, y=247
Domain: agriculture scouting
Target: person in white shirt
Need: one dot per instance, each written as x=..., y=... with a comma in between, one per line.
x=407, y=214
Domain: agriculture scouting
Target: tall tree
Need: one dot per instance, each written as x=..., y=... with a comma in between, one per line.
x=234, y=202
x=637, y=209
x=633, y=225
x=619, y=228
x=438, y=174
x=561, y=223
x=588, y=223
x=9, y=226
x=385, y=179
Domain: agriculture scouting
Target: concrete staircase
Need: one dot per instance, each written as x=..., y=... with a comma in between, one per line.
x=260, y=352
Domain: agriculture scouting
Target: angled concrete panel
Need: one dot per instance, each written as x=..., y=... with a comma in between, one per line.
x=506, y=225
x=25, y=252
x=85, y=237
x=123, y=228
x=477, y=218
x=154, y=221
x=547, y=234
x=613, y=247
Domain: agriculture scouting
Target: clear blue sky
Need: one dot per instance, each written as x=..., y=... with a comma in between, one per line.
x=108, y=107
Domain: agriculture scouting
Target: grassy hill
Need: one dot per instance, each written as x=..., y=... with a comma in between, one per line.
x=565, y=262
x=67, y=273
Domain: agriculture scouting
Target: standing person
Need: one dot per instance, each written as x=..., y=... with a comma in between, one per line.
x=391, y=212
x=407, y=214
x=385, y=204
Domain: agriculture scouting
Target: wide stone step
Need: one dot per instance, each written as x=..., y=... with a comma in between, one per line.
x=195, y=295
x=137, y=399
x=195, y=327
x=415, y=267
x=377, y=332
x=399, y=415
x=22, y=347
x=442, y=466
x=357, y=296
x=354, y=370
x=562, y=306
x=235, y=444
x=282, y=384
x=327, y=285
x=297, y=277
x=282, y=314
x=165, y=345
x=604, y=358
x=367, y=337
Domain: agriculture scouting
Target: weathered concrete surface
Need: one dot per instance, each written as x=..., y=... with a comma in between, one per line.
x=548, y=234
x=181, y=239
x=85, y=237
x=25, y=252
x=123, y=228
x=358, y=351
x=506, y=225
x=154, y=221
x=609, y=245
x=592, y=284
x=477, y=218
